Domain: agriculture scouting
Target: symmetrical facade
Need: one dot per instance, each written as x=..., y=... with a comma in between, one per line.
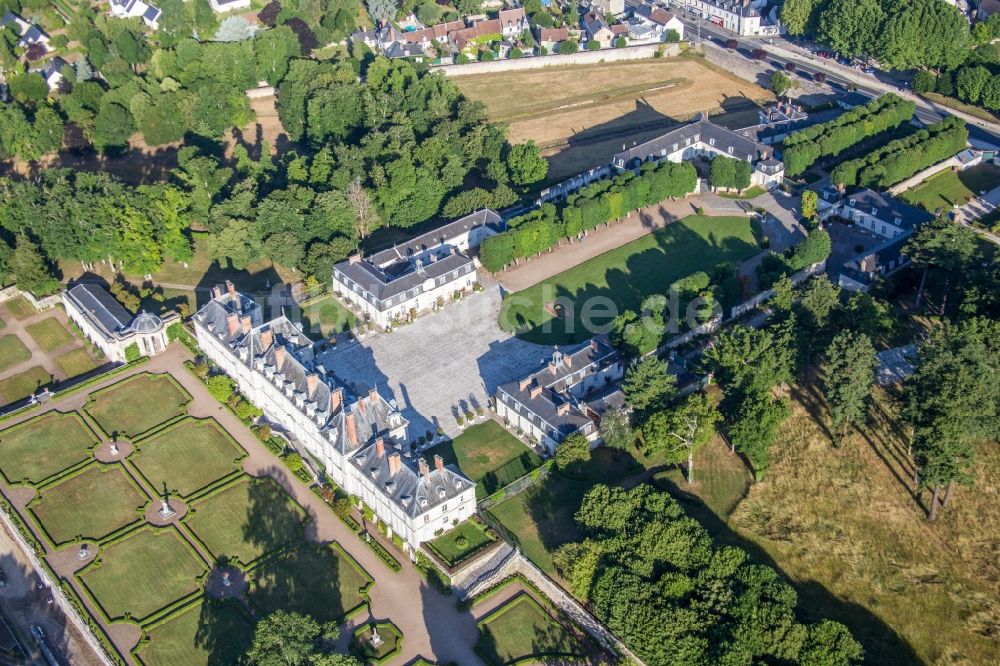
x=360, y=440
x=551, y=403
x=703, y=138
x=111, y=327
x=421, y=274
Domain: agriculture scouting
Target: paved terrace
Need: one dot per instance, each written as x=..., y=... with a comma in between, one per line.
x=445, y=361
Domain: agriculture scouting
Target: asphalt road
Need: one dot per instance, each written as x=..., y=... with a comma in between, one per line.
x=781, y=51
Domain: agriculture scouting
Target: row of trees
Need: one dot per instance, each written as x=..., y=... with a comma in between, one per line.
x=658, y=580
x=972, y=83
x=601, y=202
x=901, y=34
x=730, y=173
x=801, y=149
x=899, y=159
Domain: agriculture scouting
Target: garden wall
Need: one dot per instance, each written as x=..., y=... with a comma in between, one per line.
x=40, y=304
x=921, y=176
x=580, y=58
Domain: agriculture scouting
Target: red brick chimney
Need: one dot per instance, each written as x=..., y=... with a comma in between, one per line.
x=438, y=462
x=380, y=447
x=352, y=432
x=279, y=356
x=563, y=409
x=233, y=321
x=216, y=292
x=312, y=381
x=535, y=392
x=266, y=340
x=372, y=395
x=394, y=463
x=245, y=324
x=230, y=288
x=336, y=399
x=523, y=384
x=424, y=469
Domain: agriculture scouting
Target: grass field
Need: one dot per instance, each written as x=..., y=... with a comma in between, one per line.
x=23, y=384
x=247, y=520
x=208, y=634
x=75, y=362
x=45, y=445
x=948, y=188
x=91, y=504
x=541, y=517
x=20, y=308
x=320, y=581
x=521, y=629
x=50, y=334
x=325, y=317
x=143, y=573
x=721, y=480
x=188, y=456
x=845, y=526
x=580, y=115
x=12, y=352
x=489, y=455
x=457, y=544
x=136, y=404
x=627, y=275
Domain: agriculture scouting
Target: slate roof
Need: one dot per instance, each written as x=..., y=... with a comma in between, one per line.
x=743, y=142
x=555, y=378
x=887, y=208
x=110, y=317
x=593, y=23
x=414, y=492
x=437, y=236
x=870, y=264
x=397, y=50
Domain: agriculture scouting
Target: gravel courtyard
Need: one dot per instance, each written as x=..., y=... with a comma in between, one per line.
x=443, y=362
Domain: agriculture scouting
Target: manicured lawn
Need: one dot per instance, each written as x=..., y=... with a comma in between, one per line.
x=136, y=404
x=188, y=456
x=91, y=504
x=321, y=581
x=541, y=517
x=459, y=543
x=45, y=445
x=75, y=362
x=50, y=334
x=521, y=629
x=20, y=308
x=209, y=633
x=247, y=520
x=626, y=276
x=12, y=352
x=325, y=317
x=489, y=455
x=22, y=385
x=948, y=188
x=144, y=572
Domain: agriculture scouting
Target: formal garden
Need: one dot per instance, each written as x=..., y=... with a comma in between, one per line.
x=164, y=529
x=950, y=188
x=626, y=276
x=462, y=542
x=525, y=629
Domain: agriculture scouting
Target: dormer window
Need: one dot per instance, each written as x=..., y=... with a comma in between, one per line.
x=898, y=221
x=441, y=492
x=730, y=150
x=874, y=210
x=852, y=201
x=711, y=142
x=423, y=501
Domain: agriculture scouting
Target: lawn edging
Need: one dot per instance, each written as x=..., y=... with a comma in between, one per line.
x=66, y=471
x=165, y=376
x=388, y=627
x=507, y=606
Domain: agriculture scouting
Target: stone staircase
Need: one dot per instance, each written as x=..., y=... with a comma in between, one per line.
x=483, y=573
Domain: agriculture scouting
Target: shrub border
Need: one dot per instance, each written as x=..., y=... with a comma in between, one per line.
x=388, y=655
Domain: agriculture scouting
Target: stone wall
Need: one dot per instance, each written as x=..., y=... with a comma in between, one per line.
x=797, y=278
x=640, y=52
x=40, y=304
x=921, y=176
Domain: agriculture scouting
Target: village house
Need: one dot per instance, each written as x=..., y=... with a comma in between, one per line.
x=28, y=33
x=656, y=20
x=222, y=6
x=551, y=403
x=513, y=22
x=149, y=14
x=608, y=7
x=360, y=440
x=598, y=30
x=51, y=71
x=737, y=16
x=112, y=328
x=703, y=138
x=416, y=276
x=890, y=220
x=550, y=38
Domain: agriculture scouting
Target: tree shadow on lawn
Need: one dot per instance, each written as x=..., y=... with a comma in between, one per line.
x=593, y=307
x=225, y=631
x=881, y=642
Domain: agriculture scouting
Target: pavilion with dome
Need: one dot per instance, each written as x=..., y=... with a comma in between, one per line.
x=111, y=327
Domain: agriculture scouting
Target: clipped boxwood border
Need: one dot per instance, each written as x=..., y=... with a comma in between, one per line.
x=521, y=597
x=453, y=566
x=332, y=545
x=94, y=396
x=190, y=607
x=173, y=424
x=160, y=612
x=228, y=483
x=66, y=471
x=96, y=379
x=388, y=655
x=110, y=536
